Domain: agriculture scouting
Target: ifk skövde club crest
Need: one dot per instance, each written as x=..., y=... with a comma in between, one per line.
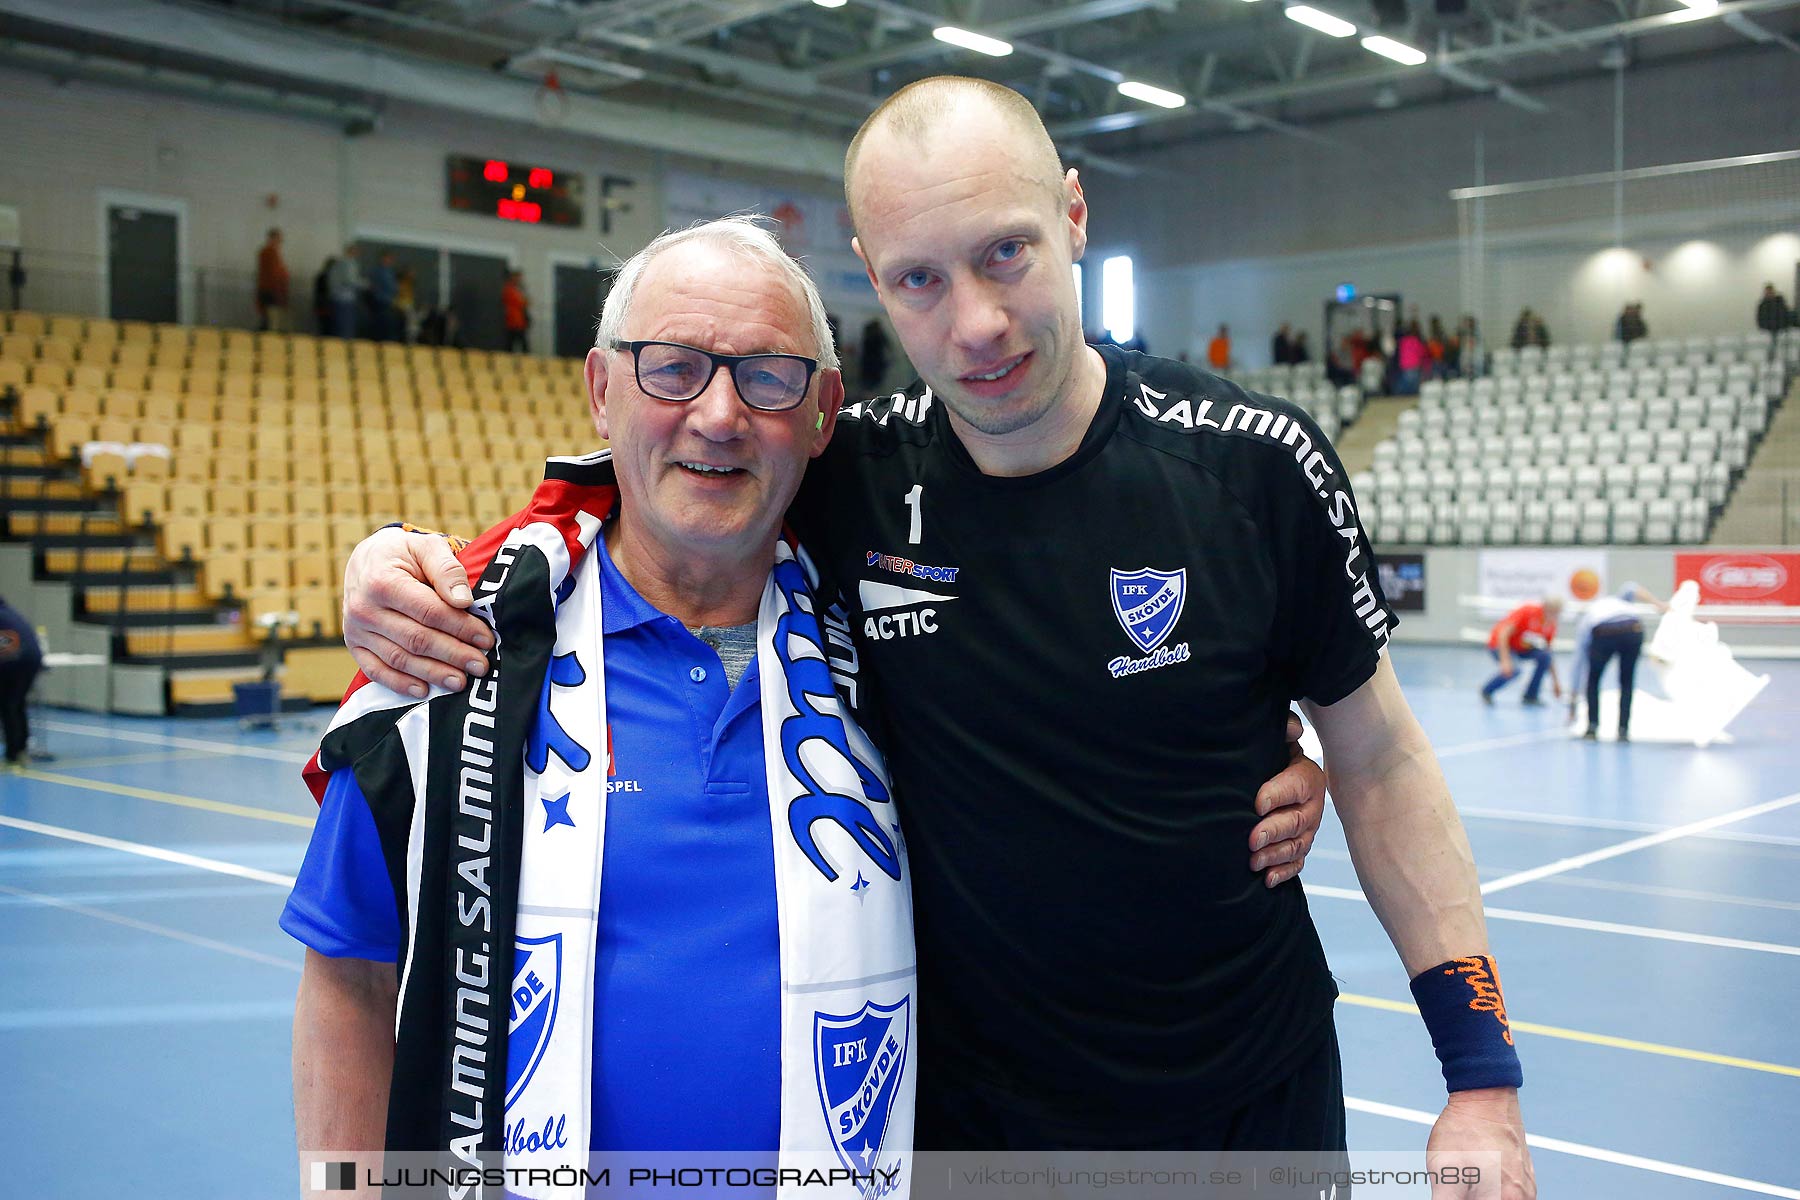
x=536, y=989
x=859, y=1060
x=1148, y=603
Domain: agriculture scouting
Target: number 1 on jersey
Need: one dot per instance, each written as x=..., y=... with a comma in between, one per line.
x=916, y=529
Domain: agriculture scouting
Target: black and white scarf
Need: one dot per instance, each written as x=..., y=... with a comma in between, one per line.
x=491, y=1061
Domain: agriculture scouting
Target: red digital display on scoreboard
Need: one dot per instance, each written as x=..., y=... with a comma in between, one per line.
x=511, y=191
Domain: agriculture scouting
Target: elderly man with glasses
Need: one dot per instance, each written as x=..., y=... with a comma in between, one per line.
x=659, y=713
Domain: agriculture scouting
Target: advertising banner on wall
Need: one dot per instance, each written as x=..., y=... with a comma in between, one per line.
x=1520, y=575
x=1742, y=577
x=1403, y=581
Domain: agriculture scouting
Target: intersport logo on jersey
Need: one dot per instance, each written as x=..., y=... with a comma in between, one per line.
x=1762, y=579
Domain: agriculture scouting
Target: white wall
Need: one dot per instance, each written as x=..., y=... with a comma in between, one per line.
x=1257, y=228
x=65, y=144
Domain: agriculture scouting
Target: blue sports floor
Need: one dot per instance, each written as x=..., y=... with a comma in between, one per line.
x=1651, y=960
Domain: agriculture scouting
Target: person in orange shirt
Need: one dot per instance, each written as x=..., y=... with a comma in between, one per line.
x=1525, y=633
x=1218, y=351
x=515, y=311
x=272, y=285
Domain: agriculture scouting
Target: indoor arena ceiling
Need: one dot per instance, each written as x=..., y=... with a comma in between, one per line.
x=816, y=68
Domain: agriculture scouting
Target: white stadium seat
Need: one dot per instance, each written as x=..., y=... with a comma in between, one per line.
x=1418, y=523
x=1596, y=523
x=1649, y=480
x=1472, y=521
x=1691, y=525
x=1659, y=521
x=1565, y=520
x=1504, y=522
x=1534, y=525
x=1627, y=521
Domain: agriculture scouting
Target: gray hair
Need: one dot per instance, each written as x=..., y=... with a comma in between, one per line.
x=741, y=234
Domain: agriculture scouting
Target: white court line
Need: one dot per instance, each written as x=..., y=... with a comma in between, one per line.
x=164, y=739
x=1578, y=861
x=1619, y=823
x=1579, y=1150
x=1611, y=885
x=1641, y=931
x=179, y=935
x=1501, y=743
x=1651, y=889
x=157, y=852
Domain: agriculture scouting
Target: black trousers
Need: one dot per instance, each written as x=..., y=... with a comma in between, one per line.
x=1625, y=639
x=15, y=686
x=1303, y=1112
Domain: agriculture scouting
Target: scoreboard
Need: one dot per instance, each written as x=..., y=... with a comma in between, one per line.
x=495, y=187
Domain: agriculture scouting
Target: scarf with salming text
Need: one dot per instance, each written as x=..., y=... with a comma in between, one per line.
x=490, y=804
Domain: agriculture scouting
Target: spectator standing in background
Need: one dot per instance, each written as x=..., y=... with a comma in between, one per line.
x=1772, y=312
x=272, y=286
x=1526, y=632
x=1530, y=330
x=406, y=305
x=346, y=292
x=874, y=365
x=1522, y=330
x=1300, y=354
x=1468, y=347
x=1218, y=351
x=383, y=287
x=1411, y=356
x=20, y=659
x=322, y=297
x=1281, y=349
x=1630, y=325
x=1610, y=626
x=1437, y=345
x=515, y=311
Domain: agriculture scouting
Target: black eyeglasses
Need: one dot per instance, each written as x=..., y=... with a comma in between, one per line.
x=678, y=373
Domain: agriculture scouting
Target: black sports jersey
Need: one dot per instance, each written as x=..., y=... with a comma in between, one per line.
x=1084, y=675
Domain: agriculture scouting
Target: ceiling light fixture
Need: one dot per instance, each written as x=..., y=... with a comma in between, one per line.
x=1152, y=95
x=1324, y=22
x=980, y=43
x=831, y=3
x=1400, y=52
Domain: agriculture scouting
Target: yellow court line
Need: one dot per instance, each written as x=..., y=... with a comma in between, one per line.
x=126, y=760
x=138, y=793
x=1597, y=1039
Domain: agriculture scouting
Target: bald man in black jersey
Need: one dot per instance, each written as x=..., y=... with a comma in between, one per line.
x=1088, y=583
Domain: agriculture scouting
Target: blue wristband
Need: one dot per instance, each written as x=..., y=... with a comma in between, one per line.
x=1466, y=1015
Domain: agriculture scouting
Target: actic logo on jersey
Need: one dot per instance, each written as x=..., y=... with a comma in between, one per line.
x=1148, y=604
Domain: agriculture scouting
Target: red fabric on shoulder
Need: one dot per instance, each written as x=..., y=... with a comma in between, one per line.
x=554, y=502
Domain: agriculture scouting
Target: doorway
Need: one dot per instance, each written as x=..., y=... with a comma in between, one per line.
x=143, y=257
x=581, y=291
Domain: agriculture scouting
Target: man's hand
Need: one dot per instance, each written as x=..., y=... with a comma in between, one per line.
x=1291, y=806
x=404, y=634
x=1484, y=1121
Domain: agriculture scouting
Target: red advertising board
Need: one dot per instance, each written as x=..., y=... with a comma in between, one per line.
x=1742, y=578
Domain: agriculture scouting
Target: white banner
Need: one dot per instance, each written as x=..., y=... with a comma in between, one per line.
x=1577, y=575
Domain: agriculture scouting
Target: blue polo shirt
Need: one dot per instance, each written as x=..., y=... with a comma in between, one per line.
x=687, y=994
